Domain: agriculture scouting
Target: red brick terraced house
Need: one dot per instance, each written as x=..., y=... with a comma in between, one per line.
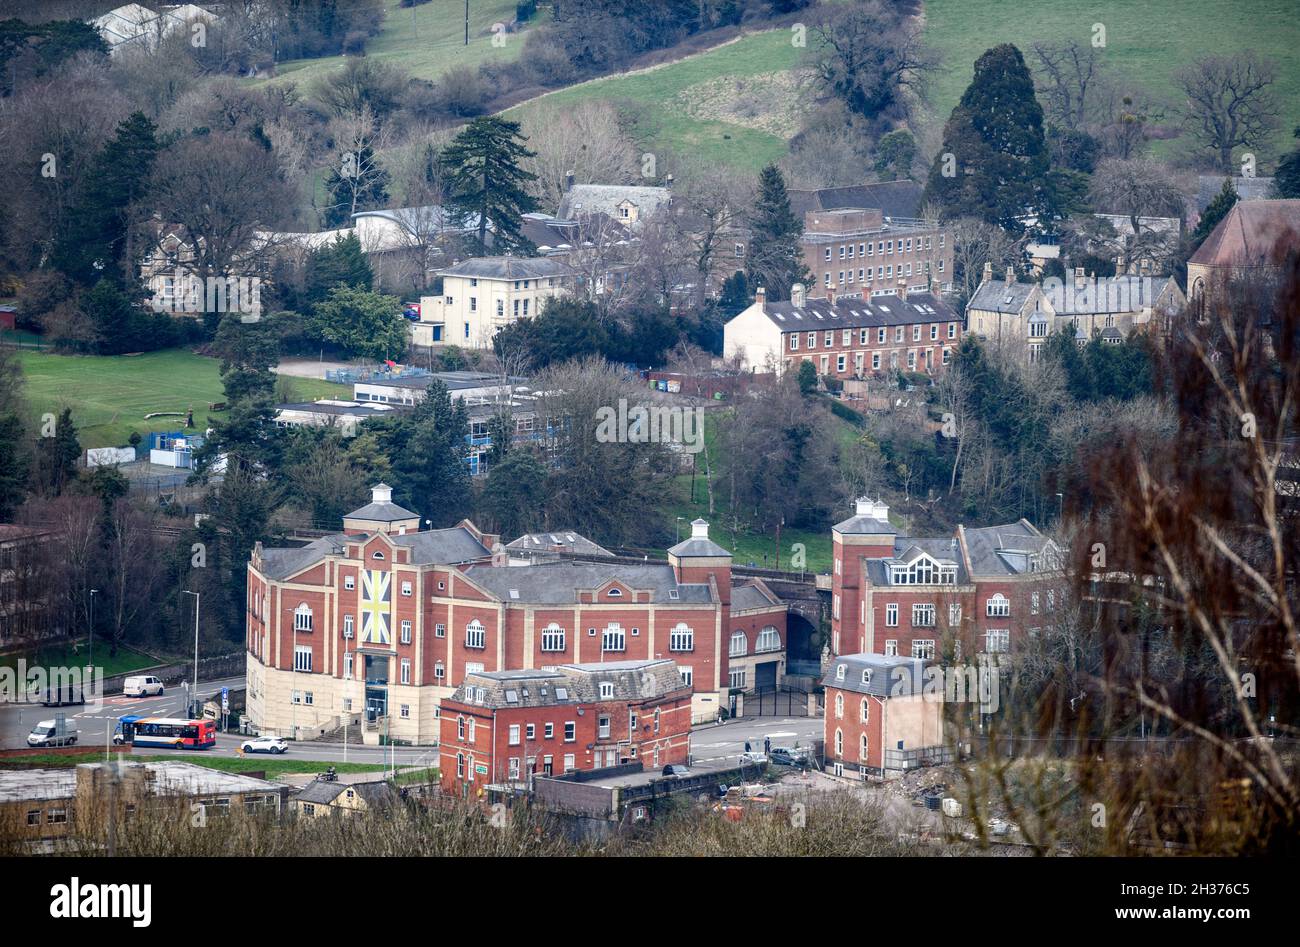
x=504, y=728
x=845, y=337
x=977, y=591
x=878, y=720
x=377, y=624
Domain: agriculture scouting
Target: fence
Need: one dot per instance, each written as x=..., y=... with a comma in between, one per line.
x=779, y=703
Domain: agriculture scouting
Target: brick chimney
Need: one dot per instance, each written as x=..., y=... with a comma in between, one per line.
x=1011, y=275
x=798, y=295
x=830, y=295
x=988, y=272
x=760, y=297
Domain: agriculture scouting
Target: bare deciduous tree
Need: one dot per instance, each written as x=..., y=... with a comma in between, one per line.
x=1230, y=103
x=585, y=139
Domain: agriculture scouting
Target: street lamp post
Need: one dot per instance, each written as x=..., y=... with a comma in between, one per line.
x=90, y=659
x=194, y=695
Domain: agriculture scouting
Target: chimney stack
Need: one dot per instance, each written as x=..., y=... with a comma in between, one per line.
x=568, y=180
x=798, y=295
x=760, y=297
x=988, y=271
x=1011, y=275
x=830, y=295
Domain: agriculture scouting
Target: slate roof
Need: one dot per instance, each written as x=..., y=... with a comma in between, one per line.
x=571, y=684
x=753, y=594
x=377, y=794
x=558, y=540
x=1127, y=293
x=891, y=675
x=454, y=381
x=1248, y=189
x=433, y=546
x=1252, y=233
x=382, y=513
x=820, y=314
x=507, y=268
x=557, y=583
x=863, y=524
x=908, y=548
x=996, y=296
x=698, y=545
x=605, y=198
x=892, y=198
x=985, y=547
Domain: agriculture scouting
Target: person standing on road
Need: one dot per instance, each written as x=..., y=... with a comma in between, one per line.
x=747, y=747
x=767, y=746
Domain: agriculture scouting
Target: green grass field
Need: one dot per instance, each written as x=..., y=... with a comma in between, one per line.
x=425, y=41
x=1146, y=43
x=272, y=766
x=738, y=103
x=110, y=395
x=66, y=655
x=734, y=104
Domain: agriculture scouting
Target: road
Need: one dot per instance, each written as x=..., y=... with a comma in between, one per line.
x=95, y=725
x=716, y=747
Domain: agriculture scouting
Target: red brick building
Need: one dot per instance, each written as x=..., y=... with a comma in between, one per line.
x=502, y=728
x=859, y=253
x=977, y=591
x=878, y=721
x=377, y=624
x=845, y=337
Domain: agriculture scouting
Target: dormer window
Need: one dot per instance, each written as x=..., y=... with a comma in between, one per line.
x=866, y=676
x=839, y=672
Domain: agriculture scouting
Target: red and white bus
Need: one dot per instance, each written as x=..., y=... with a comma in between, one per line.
x=167, y=732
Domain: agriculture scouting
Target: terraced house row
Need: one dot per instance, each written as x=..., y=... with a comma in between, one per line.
x=379, y=623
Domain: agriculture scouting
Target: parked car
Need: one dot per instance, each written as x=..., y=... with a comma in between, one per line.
x=789, y=756
x=144, y=685
x=752, y=758
x=675, y=771
x=52, y=733
x=265, y=745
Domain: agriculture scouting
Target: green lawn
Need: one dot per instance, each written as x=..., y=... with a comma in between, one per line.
x=272, y=766
x=425, y=41
x=1145, y=42
x=734, y=104
x=66, y=656
x=110, y=395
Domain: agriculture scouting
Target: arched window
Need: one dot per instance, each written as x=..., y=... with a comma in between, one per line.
x=615, y=593
x=553, y=638
x=302, y=617
x=681, y=638
x=475, y=635
x=862, y=748
x=460, y=765
x=460, y=729
x=839, y=705
x=865, y=713
x=377, y=555
x=998, y=606
x=769, y=639
x=839, y=743
x=739, y=644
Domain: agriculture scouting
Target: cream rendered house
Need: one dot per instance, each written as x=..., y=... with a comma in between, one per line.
x=483, y=294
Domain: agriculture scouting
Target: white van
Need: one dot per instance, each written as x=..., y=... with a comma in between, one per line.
x=50, y=733
x=143, y=686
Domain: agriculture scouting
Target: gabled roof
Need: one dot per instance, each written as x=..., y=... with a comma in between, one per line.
x=891, y=675
x=377, y=794
x=1253, y=233
x=892, y=198
x=999, y=296
x=507, y=268
x=877, y=311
